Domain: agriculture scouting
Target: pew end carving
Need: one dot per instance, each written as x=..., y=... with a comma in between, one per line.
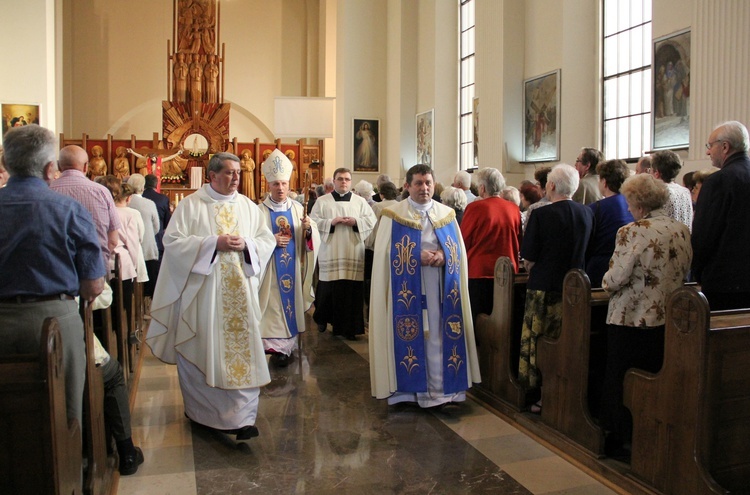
x=564, y=363
x=690, y=449
x=498, y=341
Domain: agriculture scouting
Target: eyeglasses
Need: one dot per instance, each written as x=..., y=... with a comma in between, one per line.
x=711, y=143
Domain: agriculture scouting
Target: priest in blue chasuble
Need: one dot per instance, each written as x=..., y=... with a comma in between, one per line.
x=286, y=289
x=422, y=346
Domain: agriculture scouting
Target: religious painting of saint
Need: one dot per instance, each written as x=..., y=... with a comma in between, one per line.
x=541, y=130
x=425, y=138
x=17, y=115
x=671, y=102
x=366, y=145
x=285, y=230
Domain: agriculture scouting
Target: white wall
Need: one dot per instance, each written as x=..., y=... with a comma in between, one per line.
x=117, y=67
x=27, y=54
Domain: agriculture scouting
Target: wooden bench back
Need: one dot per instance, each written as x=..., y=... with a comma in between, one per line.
x=498, y=338
x=39, y=448
x=691, y=420
x=564, y=363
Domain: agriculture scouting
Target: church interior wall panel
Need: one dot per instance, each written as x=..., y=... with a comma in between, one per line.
x=25, y=78
x=361, y=76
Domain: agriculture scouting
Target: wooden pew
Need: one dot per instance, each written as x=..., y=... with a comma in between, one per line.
x=498, y=338
x=39, y=448
x=564, y=364
x=98, y=475
x=691, y=421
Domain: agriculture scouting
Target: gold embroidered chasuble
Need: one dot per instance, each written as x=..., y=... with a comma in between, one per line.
x=206, y=302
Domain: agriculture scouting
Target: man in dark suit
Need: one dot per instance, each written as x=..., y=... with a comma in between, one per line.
x=721, y=226
x=162, y=207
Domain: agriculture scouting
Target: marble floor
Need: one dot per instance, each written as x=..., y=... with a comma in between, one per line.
x=321, y=432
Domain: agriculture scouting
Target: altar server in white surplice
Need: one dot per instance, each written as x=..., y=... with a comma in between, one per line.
x=422, y=346
x=344, y=221
x=286, y=289
x=205, y=312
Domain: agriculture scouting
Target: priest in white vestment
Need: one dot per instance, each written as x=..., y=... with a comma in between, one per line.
x=205, y=315
x=344, y=221
x=286, y=289
x=422, y=346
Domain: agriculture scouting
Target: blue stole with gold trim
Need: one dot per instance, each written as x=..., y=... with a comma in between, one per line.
x=281, y=222
x=406, y=288
x=455, y=375
x=408, y=304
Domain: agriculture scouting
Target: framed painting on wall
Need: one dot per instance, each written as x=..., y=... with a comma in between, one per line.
x=541, y=130
x=366, y=145
x=425, y=137
x=17, y=115
x=671, y=108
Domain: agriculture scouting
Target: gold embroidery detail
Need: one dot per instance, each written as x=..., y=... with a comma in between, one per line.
x=406, y=296
x=289, y=309
x=285, y=257
x=455, y=327
x=408, y=222
x=404, y=259
x=455, y=360
x=452, y=262
x=454, y=294
x=234, y=288
x=410, y=360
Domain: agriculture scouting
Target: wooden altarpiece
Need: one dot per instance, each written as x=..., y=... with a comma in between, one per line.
x=195, y=119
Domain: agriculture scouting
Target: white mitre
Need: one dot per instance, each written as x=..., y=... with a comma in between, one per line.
x=277, y=167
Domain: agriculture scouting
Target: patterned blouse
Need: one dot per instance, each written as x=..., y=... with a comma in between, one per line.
x=651, y=258
x=680, y=204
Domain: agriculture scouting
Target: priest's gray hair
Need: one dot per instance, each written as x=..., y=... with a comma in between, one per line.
x=216, y=163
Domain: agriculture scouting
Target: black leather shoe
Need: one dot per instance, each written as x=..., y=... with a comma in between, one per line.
x=247, y=432
x=129, y=463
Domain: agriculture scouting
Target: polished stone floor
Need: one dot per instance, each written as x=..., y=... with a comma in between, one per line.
x=321, y=432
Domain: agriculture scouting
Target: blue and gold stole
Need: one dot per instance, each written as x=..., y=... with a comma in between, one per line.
x=408, y=304
x=281, y=221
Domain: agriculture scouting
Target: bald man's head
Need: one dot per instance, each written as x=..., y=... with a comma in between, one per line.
x=73, y=157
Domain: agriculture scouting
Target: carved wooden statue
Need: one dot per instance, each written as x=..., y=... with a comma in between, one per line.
x=97, y=164
x=121, y=166
x=247, y=164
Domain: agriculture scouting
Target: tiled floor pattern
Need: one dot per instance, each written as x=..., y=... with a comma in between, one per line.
x=321, y=432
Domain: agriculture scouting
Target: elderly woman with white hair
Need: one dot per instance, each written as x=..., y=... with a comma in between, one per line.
x=456, y=199
x=651, y=257
x=555, y=241
x=491, y=228
x=365, y=190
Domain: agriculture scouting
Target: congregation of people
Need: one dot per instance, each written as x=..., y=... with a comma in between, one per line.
x=229, y=280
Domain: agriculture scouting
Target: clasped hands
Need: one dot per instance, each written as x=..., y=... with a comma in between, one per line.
x=226, y=242
x=432, y=258
x=281, y=239
x=349, y=221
